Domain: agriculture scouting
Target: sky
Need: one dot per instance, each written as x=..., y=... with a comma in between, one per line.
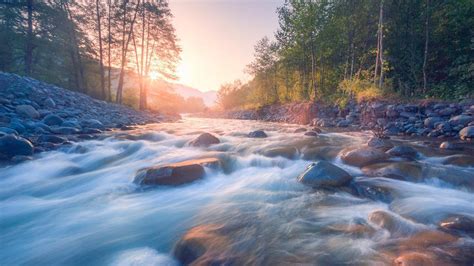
x=217, y=38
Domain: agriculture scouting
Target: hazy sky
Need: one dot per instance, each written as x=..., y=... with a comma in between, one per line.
x=217, y=37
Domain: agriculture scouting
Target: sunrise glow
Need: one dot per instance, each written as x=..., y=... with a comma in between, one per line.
x=154, y=75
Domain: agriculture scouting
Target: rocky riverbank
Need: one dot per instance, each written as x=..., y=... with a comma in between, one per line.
x=35, y=116
x=423, y=118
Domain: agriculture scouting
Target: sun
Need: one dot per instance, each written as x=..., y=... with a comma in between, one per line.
x=182, y=72
x=153, y=75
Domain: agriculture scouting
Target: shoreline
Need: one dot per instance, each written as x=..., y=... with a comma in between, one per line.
x=36, y=117
x=434, y=119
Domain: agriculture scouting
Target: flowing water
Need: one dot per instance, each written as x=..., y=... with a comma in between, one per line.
x=79, y=206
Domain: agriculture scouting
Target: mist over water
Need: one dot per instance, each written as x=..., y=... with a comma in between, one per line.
x=79, y=206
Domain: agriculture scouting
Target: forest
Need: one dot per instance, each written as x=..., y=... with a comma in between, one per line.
x=91, y=46
x=342, y=50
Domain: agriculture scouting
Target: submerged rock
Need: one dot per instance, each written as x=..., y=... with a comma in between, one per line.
x=363, y=156
x=396, y=170
x=286, y=152
x=300, y=130
x=324, y=174
x=380, y=143
x=415, y=259
x=204, y=140
x=257, y=134
x=311, y=134
x=11, y=145
x=395, y=224
x=403, y=151
x=459, y=223
x=448, y=145
x=174, y=174
x=459, y=160
x=206, y=245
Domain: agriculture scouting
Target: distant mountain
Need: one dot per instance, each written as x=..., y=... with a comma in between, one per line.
x=208, y=97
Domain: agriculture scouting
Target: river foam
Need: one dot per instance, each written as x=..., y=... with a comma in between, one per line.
x=79, y=206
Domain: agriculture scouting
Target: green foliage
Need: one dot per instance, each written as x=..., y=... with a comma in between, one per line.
x=65, y=41
x=326, y=50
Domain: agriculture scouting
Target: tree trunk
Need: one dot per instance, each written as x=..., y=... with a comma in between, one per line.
x=77, y=62
x=109, y=63
x=381, y=44
x=425, y=58
x=102, y=79
x=125, y=48
x=29, y=38
x=143, y=102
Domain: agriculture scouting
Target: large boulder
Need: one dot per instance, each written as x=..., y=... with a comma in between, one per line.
x=324, y=174
x=467, y=133
x=257, y=134
x=204, y=140
x=11, y=145
x=174, y=174
x=53, y=120
x=363, y=156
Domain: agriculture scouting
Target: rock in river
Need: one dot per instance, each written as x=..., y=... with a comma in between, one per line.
x=285, y=152
x=11, y=145
x=403, y=151
x=363, y=156
x=175, y=173
x=257, y=134
x=324, y=174
x=207, y=245
x=204, y=140
x=380, y=143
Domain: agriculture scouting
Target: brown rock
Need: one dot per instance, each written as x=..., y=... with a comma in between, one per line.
x=286, y=152
x=176, y=173
x=414, y=259
x=204, y=140
x=206, y=245
x=363, y=156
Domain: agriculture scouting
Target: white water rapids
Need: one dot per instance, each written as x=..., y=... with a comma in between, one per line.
x=78, y=205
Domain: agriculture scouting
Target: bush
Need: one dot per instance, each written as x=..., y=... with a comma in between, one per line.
x=361, y=90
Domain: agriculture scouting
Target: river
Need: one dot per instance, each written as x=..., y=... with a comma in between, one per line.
x=78, y=205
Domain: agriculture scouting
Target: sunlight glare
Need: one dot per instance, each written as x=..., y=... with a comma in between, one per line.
x=181, y=71
x=153, y=75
